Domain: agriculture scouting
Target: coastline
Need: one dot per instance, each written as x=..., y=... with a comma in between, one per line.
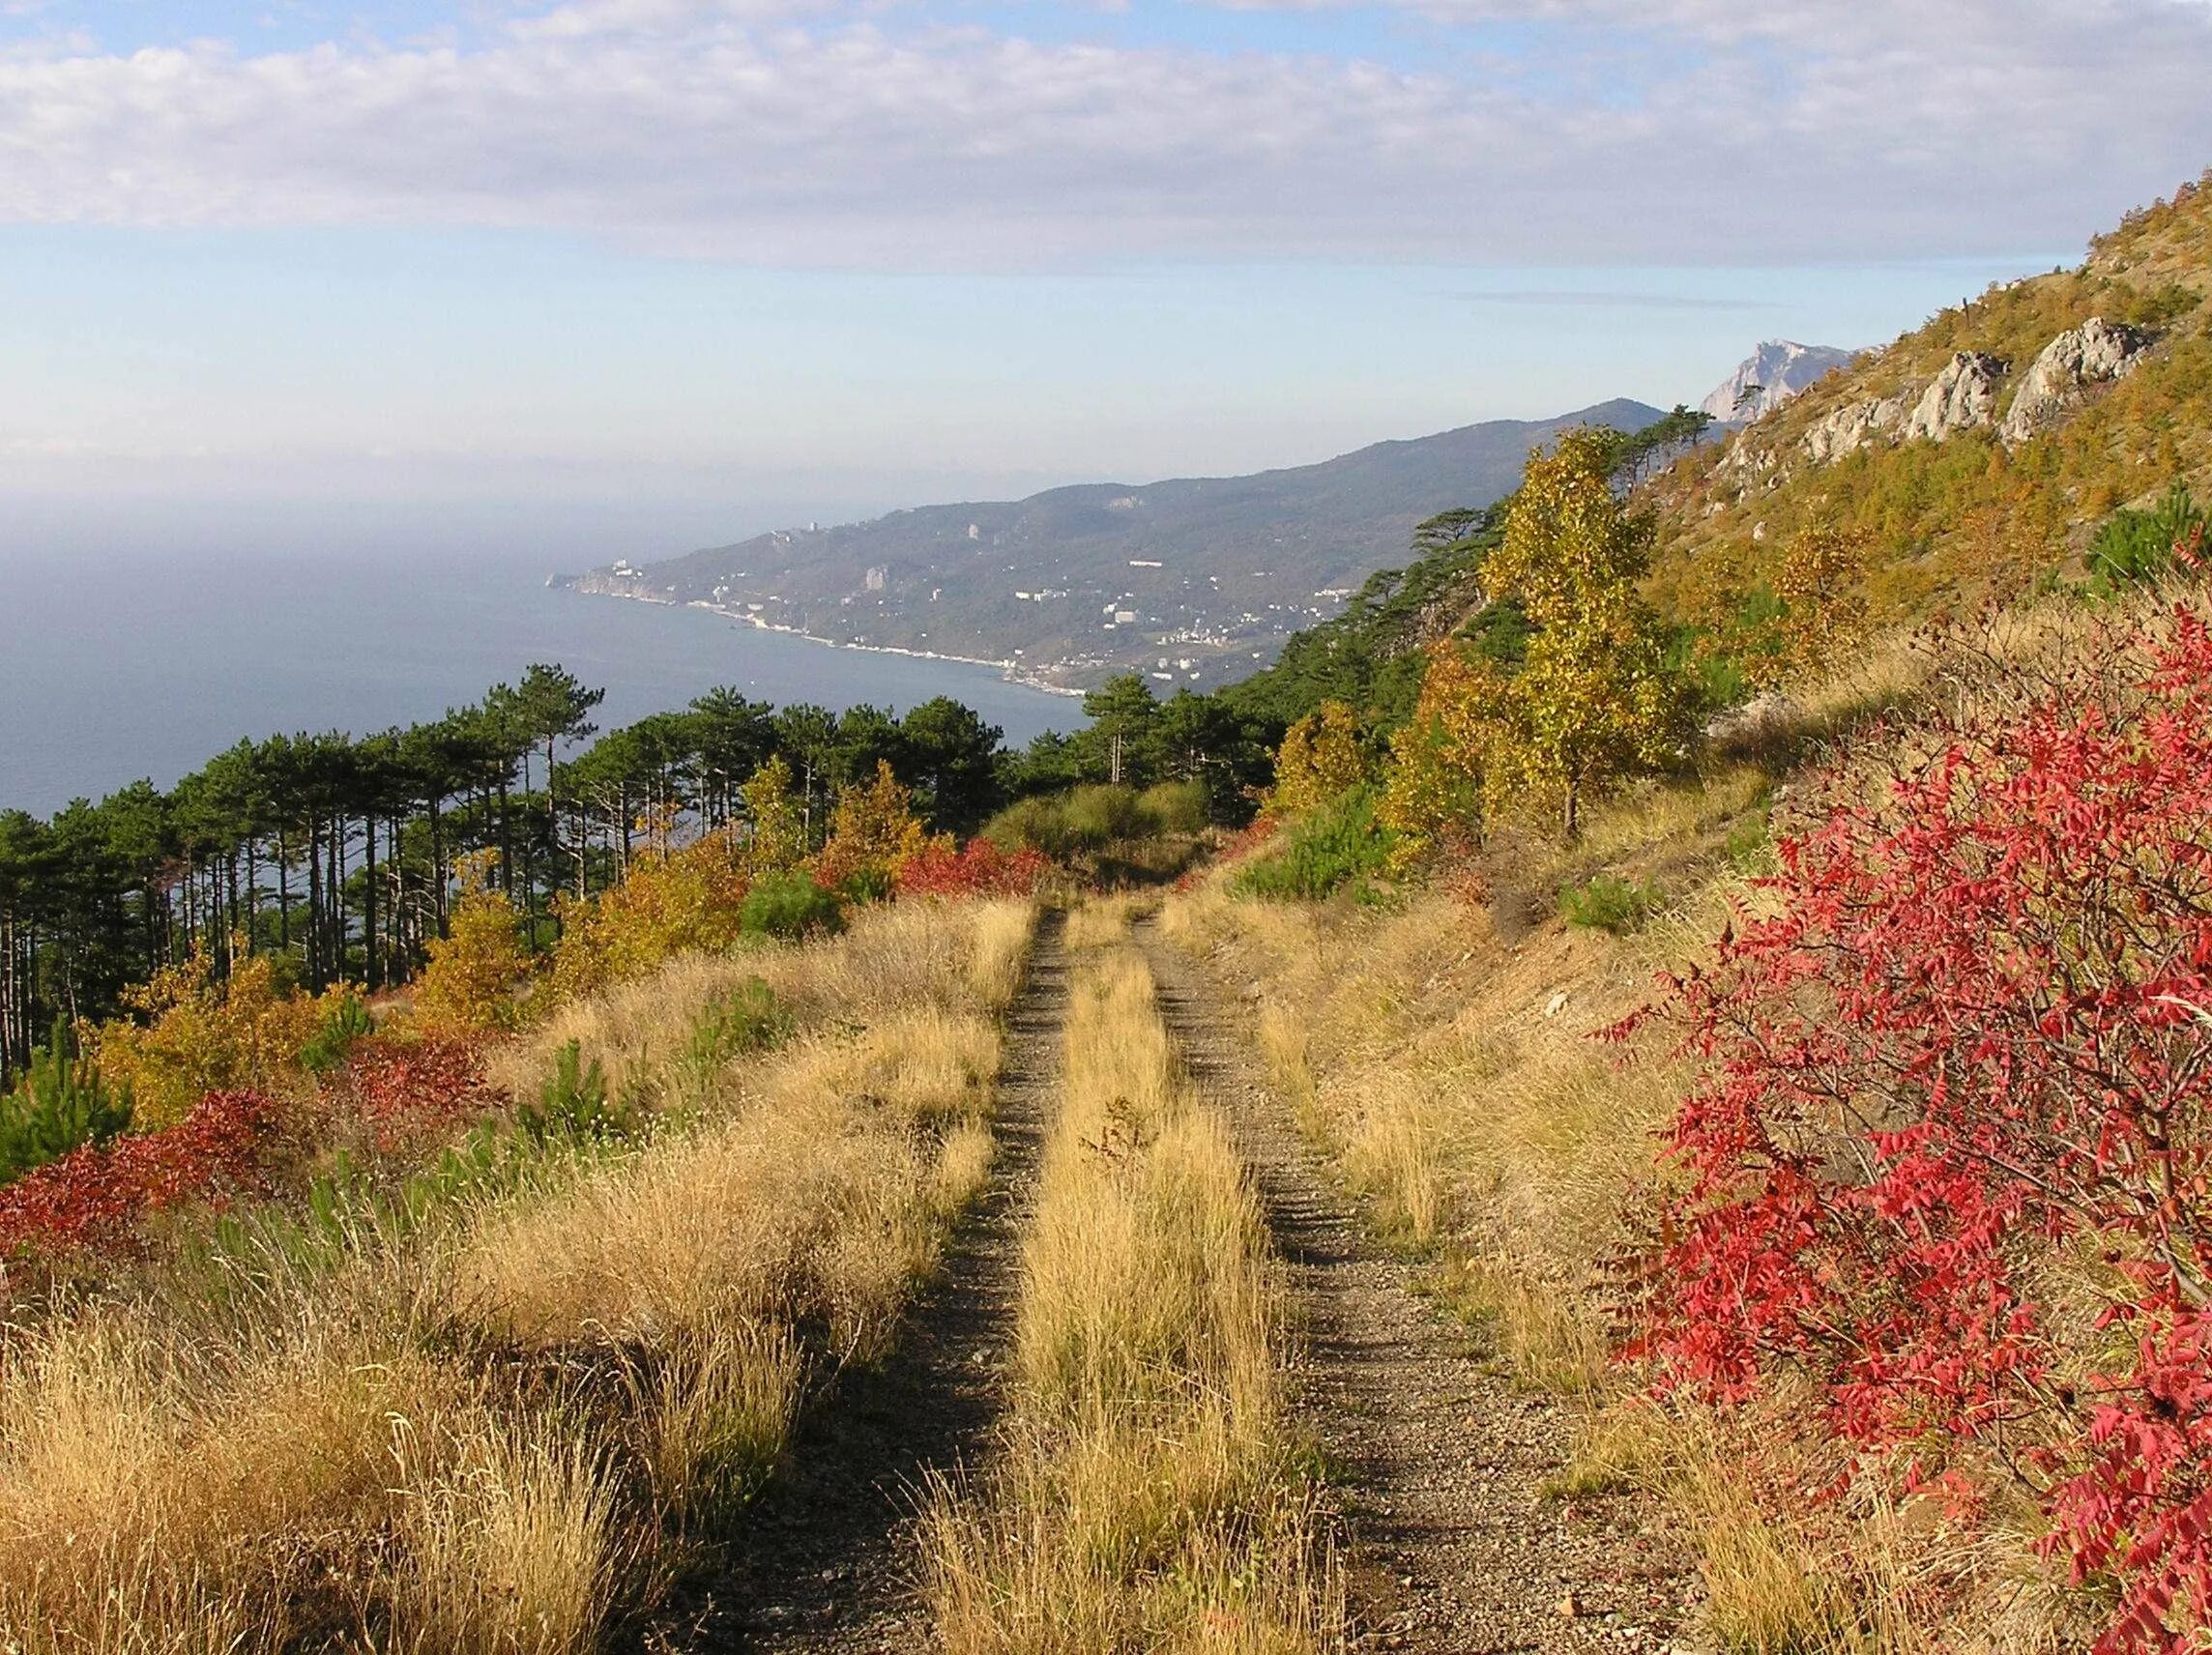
x=1010, y=671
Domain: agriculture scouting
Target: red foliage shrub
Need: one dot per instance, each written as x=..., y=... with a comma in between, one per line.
x=1980, y=1026
x=406, y=1090
x=978, y=868
x=95, y=1196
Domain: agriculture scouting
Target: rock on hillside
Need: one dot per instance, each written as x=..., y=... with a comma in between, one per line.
x=2073, y=364
x=1771, y=376
x=1964, y=396
x=1978, y=451
x=1960, y=399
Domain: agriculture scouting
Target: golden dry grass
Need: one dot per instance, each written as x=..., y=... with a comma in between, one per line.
x=509, y=1538
x=1146, y=1495
x=479, y=1434
x=1453, y=1079
x=897, y=958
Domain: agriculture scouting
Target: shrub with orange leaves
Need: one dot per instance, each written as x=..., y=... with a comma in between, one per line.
x=873, y=830
x=980, y=868
x=96, y=1195
x=410, y=1091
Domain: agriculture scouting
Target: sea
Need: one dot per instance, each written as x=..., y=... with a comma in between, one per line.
x=120, y=666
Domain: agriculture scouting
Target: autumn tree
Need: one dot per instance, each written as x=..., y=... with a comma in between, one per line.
x=1319, y=758
x=1597, y=698
x=691, y=899
x=1825, y=606
x=778, y=839
x=1441, y=759
x=468, y=987
x=871, y=831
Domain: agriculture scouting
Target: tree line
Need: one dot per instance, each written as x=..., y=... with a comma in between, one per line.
x=335, y=853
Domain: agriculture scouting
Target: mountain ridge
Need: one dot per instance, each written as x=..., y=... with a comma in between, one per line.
x=1192, y=580
x=1774, y=372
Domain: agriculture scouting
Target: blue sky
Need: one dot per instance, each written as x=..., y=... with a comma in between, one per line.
x=641, y=271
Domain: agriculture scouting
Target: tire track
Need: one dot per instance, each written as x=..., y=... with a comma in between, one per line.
x=1439, y=1463
x=822, y=1566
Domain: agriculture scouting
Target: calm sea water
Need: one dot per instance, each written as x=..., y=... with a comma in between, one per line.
x=117, y=667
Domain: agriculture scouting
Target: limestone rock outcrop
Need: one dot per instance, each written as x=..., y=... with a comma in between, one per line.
x=1852, y=427
x=2073, y=364
x=1962, y=397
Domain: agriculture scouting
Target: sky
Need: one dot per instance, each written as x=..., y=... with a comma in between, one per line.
x=624, y=276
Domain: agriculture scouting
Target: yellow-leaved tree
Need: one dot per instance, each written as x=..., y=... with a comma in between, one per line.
x=206, y=1033
x=776, y=842
x=1598, y=697
x=1822, y=589
x=688, y=899
x=1319, y=758
x=872, y=830
x=1440, y=757
x=470, y=985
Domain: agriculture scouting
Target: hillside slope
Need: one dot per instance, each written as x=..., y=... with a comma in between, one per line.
x=1959, y=456
x=1205, y=573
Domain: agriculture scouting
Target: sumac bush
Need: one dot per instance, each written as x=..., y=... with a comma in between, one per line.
x=413, y=1091
x=96, y=1195
x=1960, y=1064
x=978, y=868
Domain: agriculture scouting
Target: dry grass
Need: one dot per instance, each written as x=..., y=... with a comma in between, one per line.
x=822, y=1200
x=897, y=958
x=480, y=1433
x=1103, y=920
x=1452, y=1077
x=1146, y=1497
x=509, y=1540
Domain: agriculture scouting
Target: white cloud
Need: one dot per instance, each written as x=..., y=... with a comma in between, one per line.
x=772, y=131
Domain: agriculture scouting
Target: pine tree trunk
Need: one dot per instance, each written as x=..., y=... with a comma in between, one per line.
x=369, y=968
x=315, y=949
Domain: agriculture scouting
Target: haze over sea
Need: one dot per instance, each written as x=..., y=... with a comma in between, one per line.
x=123, y=664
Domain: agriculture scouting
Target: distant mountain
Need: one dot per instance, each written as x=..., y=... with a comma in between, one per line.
x=1191, y=580
x=1771, y=376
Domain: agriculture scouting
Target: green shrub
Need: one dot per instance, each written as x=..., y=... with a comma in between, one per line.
x=1336, y=844
x=1087, y=819
x=1609, y=903
x=1030, y=823
x=1174, y=807
x=746, y=1019
x=1097, y=814
x=790, y=906
x=345, y=1023
x=2135, y=547
x=61, y=1103
x=572, y=1105
x=871, y=882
